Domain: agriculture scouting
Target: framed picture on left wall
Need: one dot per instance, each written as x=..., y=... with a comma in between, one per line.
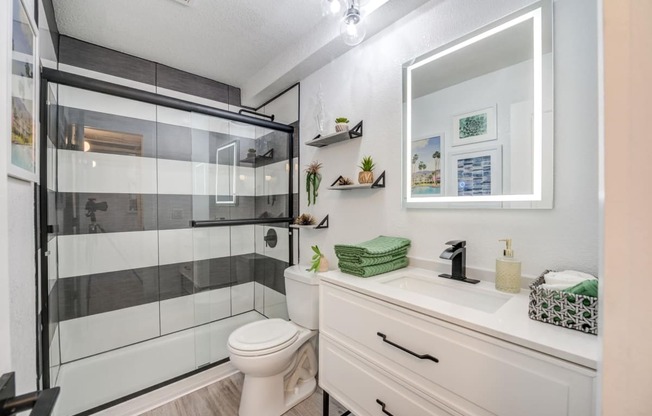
x=24, y=72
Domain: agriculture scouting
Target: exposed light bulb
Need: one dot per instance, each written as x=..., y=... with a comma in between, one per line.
x=330, y=7
x=87, y=146
x=352, y=29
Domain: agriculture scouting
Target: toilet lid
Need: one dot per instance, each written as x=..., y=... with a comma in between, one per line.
x=265, y=336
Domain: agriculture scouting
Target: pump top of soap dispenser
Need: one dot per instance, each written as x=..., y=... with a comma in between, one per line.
x=508, y=252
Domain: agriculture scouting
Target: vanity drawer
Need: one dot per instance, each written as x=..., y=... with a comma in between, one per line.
x=474, y=373
x=363, y=389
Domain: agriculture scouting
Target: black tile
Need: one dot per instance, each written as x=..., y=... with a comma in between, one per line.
x=185, y=82
x=137, y=137
x=53, y=312
x=92, y=294
x=52, y=24
x=123, y=212
x=269, y=272
x=272, y=206
x=96, y=58
x=243, y=268
x=234, y=96
x=175, y=280
x=174, y=211
x=174, y=142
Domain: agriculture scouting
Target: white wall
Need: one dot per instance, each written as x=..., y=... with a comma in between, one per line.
x=366, y=83
x=17, y=270
x=627, y=364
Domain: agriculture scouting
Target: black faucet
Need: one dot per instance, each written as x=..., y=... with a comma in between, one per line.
x=457, y=253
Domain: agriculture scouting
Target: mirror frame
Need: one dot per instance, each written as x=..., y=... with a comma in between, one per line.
x=542, y=195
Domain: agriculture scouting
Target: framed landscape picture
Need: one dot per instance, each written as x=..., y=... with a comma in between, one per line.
x=427, y=167
x=474, y=127
x=477, y=172
x=24, y=73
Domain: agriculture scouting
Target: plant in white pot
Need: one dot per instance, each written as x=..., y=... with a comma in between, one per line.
x=341, y=124
x=319, y=262
x=367, y=175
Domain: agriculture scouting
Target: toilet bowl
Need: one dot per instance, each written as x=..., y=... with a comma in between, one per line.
x=278, y=358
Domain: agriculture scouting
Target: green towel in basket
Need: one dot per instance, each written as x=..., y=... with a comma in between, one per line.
x=587, y=288
x=368, y=271
x=379, y=246
x=372, y=260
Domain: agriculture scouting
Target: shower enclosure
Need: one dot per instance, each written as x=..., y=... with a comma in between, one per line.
x=167, y=228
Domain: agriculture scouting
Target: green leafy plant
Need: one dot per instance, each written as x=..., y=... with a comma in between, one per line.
x=341, y=120
x=316, y=259
x=313, y=179
x=367, y=164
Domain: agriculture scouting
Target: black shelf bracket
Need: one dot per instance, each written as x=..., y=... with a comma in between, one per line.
x=379, y=182
x=356, y=131
x=316, y=137
x=268, y=155
x=322, y=224
x=337, y=180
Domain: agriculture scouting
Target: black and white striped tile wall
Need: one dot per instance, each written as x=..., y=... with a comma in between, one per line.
x=137, y=270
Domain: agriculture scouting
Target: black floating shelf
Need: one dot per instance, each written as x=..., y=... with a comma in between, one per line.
x=322, y=141
x=378, y=183
x=254, y=159
x=323, y=224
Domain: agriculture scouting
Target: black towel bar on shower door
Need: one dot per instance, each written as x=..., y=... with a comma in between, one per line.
x=227, y=223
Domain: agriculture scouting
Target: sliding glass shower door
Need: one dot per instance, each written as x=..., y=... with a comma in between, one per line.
x=173, y=231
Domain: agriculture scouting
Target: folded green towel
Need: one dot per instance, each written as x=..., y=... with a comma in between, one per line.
x=379, y=246
x=372, y=260
x=586, y=288
x=368, y=271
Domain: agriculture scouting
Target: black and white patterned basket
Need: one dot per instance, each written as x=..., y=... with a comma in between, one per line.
x=578, y=312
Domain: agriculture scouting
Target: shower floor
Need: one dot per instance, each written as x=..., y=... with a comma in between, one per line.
x=93, y=381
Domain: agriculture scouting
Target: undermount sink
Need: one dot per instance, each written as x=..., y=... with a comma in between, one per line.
x=466, y=296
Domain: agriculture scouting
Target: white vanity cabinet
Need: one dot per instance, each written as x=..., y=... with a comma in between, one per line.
x=374, y=353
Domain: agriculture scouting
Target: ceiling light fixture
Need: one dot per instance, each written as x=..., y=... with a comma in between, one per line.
x=352, y=28
x=331, y=7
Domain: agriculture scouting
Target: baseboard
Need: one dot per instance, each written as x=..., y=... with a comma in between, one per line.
x=171, y=392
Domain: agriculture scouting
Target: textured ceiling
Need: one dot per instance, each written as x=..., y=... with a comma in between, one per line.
x=225, y=40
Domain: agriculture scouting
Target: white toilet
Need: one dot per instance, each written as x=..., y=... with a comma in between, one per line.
x=278, y=357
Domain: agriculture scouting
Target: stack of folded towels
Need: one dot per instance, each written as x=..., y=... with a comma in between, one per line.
x=380, y=255
x=571, y=281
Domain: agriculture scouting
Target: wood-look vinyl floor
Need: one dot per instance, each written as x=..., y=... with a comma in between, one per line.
x=223, y=399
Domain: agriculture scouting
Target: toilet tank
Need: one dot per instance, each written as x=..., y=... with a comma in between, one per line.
x=302, y=296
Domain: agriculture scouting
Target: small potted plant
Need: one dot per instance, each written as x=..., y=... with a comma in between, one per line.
x=305, y=219
x=367, y=175
x=251, y=153
x=319, y=262
x=341, y=124
x=313, y=179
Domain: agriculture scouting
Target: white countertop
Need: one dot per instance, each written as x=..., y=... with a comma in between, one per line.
x=509, y=323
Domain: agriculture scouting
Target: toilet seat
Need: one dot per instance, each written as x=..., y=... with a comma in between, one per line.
x=263, y=337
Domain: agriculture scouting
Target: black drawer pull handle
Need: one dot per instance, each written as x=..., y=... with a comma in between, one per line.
x=382, y=405
x=419, y=356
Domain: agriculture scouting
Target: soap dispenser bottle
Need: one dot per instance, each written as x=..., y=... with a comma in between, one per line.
x=508, y=270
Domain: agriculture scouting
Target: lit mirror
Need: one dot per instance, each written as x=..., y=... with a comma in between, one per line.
x=477, y=118
x=225, y=174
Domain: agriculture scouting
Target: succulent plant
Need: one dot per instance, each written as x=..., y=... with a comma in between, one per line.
x=344, y=181
x=316, y=259
x=367, y=164
x=305, y=219
x=341, y=120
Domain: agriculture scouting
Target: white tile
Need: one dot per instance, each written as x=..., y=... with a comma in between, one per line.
x=175, y=117
x=220, y=303
x=282, y=249
x=242, y=298
x=285, y=108
x=105, y=77
x=243, y=240
x=104, y=103
x=246, y=181
x=54, y=356
x=53, y=270
x=177, y=314
x=175, y=177
x=175, y=246
x=259, y=240
x=97, y=333
x=275, y=304
x=273, y=179
x=84, y=254
x=204, y=179
x=106, y=173
x=211, y=242
x=52, y=168
x=259, y=297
